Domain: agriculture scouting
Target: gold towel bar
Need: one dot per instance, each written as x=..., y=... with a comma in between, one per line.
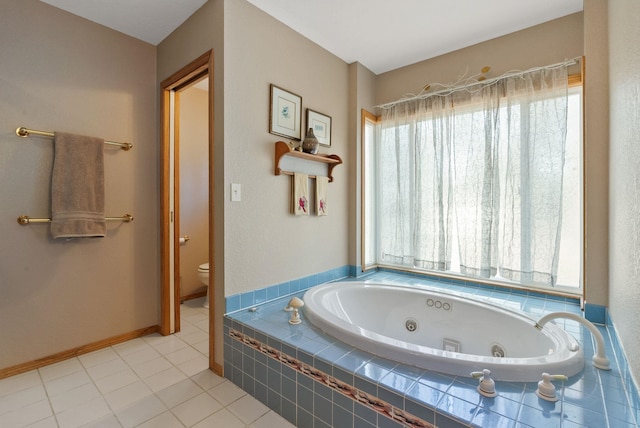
x=25, y=219
x=24, y=132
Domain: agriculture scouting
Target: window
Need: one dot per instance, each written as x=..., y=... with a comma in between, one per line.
x=433, y=198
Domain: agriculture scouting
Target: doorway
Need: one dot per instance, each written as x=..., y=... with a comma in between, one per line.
x=172, y=236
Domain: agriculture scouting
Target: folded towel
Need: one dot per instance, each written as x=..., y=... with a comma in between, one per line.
x=321, y=195
x=77, y=187
x=300, y=194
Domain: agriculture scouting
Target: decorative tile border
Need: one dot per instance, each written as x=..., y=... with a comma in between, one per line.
x=373, y=403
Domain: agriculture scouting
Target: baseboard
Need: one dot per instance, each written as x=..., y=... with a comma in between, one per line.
x=217, y=369
x=85, y=349
x=193, y=296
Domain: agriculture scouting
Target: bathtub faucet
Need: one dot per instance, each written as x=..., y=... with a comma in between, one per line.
x=600, y=360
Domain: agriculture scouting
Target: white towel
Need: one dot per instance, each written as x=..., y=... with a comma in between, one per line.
x=77, y=187
x=321, y=195
x=300, y=194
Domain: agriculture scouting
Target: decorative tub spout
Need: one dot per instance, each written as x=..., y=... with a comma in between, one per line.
x=600, y=361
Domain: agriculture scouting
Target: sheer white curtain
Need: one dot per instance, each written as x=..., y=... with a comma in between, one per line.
x=483, y=164
x=415, y=208
x=476, y=156
x=536, y=113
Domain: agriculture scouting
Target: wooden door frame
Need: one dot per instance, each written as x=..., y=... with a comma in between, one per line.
x=197, y=69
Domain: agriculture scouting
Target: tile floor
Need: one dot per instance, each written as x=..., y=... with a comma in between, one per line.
x=155, y=381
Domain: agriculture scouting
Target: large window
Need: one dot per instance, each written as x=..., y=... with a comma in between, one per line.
x=486, y=186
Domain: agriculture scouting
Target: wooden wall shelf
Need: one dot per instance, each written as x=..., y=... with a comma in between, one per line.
x=283, y=149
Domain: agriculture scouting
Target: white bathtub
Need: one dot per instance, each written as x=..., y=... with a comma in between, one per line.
x=421, y=327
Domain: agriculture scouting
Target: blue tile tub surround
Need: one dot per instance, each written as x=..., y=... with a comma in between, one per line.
x=432, y=398
x=256, y=297
x=595, y=313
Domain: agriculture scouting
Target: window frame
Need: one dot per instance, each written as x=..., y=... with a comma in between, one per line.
x=367, y=118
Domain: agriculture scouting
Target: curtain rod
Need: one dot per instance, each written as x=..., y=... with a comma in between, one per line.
x=487, y=82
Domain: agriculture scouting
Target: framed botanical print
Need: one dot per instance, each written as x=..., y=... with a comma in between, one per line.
x=285, y=113
x=321, y=125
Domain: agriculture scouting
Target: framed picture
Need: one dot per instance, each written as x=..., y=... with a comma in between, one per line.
x=321, y=125
x=285, y=113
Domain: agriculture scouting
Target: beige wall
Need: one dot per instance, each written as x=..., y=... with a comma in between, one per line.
x=267, y=245
x=547, y=43
x=264, y=244
x=624, y=296
x=61, y=72
x=552, y=42
x=194, y=187
x=258, y=243
x=362, y=93
x=596, y=153
x=58, y=71
x=202, y=32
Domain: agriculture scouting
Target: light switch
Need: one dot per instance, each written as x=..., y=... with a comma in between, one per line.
x=236, y=192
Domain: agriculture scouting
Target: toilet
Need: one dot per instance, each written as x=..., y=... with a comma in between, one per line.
x=203, y=274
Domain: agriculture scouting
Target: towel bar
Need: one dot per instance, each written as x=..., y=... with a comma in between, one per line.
x=24, y=132
x=25, y=219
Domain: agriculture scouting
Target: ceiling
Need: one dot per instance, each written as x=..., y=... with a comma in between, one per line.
x=148, y=20
x=380, y=34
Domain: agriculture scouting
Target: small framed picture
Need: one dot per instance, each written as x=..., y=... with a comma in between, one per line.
x=285, y=113
x=321, y=125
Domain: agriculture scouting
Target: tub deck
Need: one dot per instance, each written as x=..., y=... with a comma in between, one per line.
x=294, y=368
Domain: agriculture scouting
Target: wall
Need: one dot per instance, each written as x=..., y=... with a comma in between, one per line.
x=596, y=153
x=58, y=71
x=61, y=72
x=194, y=187
x=204, y=31
x=624, y=232
x=266, y=244
x=543, y=44
x=257, y=242
x=362, y=90
x=548, y=43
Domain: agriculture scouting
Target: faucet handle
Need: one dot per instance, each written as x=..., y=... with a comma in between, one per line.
x=295, y=303
x=487, y=385
x=547, y=390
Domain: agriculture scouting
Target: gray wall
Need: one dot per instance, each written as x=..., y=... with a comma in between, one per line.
x=61, y=72
x=624, y=296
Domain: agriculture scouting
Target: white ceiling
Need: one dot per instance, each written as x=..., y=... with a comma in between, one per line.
x=148, y=20
x=380, y=34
